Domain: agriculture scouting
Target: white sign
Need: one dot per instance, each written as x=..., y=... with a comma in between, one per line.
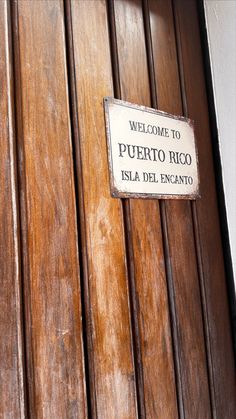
x=150, y=153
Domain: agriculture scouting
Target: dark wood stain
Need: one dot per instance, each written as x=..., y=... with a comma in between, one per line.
x=190, y=340
x=206, y=221
x=146, y=236
x=12, y=394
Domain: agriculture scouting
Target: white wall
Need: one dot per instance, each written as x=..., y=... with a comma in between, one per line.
x=221, y=29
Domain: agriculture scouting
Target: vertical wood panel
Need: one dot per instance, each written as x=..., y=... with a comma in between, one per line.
x=220, y=353
x=51, y=267
x=149, y=264
x=179, y=245
x=110, y=345
x=193, y=362
x=12, y=404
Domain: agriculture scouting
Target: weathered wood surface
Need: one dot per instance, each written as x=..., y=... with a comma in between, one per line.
x=151, y=275
x=50, y=255
x=145, y=233
x=187, y=299
x=211, y=264
x=12, y=404
x=109, y=341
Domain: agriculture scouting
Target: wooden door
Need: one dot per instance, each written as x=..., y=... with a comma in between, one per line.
x=110, y=308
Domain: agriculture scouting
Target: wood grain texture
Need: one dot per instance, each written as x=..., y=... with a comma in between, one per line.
x=193, y=362
x=109, y=344
x=51, y=266
x=149, y=264
x=219, y=340
x=12, y=400
x=155, y=303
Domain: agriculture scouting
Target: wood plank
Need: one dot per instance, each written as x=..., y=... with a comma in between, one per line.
x=149, y=264
x=51, y=266
x=193, y=362
x=108, y=319
x=11, y=343
x=218, y=330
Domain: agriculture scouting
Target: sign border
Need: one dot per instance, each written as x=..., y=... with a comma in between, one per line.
x=115, y=193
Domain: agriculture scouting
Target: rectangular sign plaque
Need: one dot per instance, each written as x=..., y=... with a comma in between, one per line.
x=151, y=154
